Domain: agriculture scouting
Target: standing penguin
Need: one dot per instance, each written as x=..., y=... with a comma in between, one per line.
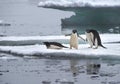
x=74, y=39
x=93, y=38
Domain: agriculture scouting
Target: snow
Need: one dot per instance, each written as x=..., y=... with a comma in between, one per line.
x=112, y=51
x=83, y=51
x=21, y=38
x=104, y=38
x=79, y=3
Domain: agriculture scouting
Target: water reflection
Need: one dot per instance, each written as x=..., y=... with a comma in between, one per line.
x=59, y=71
x=102, y=71
x=90, y=67
x=93, y=68
x=74, y=68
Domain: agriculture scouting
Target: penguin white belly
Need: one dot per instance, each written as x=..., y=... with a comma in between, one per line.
x=54, y=47
x=96, y=43
x=74, y=41
x=90, y=38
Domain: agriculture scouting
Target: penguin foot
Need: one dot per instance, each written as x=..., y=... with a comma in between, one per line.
x=95, y=48
x=90, y=47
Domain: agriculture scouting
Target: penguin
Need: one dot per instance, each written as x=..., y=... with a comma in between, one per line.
x=93, y=38
x=74, y=39
x=54, y=45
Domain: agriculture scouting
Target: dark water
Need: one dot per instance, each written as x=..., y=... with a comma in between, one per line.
x=103, y=19
x=34, y=70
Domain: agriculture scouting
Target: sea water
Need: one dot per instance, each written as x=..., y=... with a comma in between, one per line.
x=35, y=70
x=25, y=18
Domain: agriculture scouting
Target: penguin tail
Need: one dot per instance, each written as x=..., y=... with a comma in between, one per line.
x=103, y=46
x=65, y=47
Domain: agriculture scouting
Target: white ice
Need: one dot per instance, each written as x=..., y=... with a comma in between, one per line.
x=104, y=38
x=113, y=49
x=79, y=3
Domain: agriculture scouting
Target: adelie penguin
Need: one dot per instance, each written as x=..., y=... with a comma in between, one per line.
x=74, y=39
x=93, y=38
x=54, y=45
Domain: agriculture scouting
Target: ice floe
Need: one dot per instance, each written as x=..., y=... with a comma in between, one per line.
x=111, y=41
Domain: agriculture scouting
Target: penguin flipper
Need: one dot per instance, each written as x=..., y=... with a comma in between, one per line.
x=81, y=38
x=67, y=34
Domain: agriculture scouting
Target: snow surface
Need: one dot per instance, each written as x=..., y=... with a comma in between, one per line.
x=79, y=3
x=104, y=38
x=112, y=51
x=83, y=51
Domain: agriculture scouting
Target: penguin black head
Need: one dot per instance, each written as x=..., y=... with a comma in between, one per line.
x=74, y=31
x=47, y=44
x=88, y=30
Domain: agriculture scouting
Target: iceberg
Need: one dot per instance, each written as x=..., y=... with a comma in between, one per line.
x=79, y=3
